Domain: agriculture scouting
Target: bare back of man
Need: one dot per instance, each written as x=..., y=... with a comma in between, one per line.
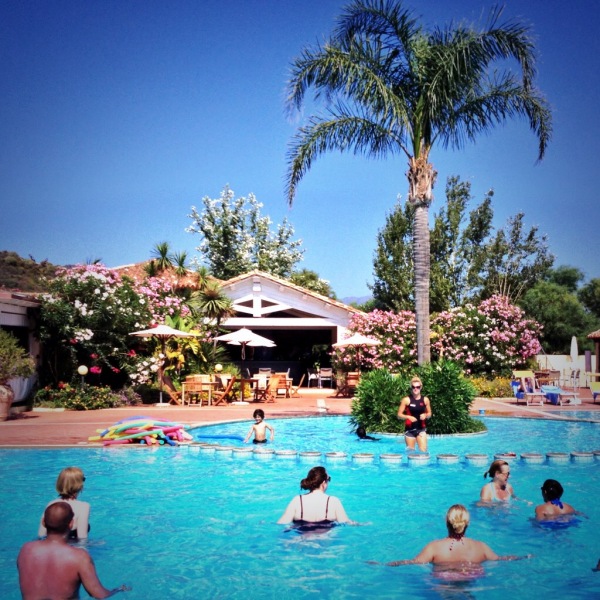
x=55, y=571
x=51, y=569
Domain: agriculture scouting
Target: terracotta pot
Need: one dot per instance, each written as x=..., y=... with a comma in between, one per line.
x=6, y=399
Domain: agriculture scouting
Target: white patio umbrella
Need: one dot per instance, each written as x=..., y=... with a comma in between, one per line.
x=357, y=340
x=244, y=337
x=574, y=353
x=163, y=333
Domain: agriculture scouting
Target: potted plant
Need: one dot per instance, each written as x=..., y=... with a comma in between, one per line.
x=14, y=362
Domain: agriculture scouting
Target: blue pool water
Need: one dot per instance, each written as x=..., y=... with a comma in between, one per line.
x=335, y=434
x=182, y=523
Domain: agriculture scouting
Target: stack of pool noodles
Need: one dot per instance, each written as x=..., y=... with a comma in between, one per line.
x=143, y=430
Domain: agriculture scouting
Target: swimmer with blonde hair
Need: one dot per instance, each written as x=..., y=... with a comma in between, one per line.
x=69, y=484
x=456, y=548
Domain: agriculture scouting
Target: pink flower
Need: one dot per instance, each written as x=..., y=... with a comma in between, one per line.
x=96, y=370
x=115, y=370
x=131, y=353
x=94, y=356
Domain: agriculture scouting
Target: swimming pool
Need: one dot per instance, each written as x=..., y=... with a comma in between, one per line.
x=335, y=434
x=186, y=524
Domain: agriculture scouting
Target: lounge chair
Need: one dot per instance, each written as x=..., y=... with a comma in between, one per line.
x=595, y=389
x=528, y=386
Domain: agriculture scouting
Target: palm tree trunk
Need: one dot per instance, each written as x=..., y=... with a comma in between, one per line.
x=421, y=178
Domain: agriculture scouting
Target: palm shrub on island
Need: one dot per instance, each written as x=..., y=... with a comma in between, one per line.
x=378, y=395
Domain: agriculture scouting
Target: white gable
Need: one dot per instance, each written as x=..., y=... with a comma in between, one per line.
x=262, y=301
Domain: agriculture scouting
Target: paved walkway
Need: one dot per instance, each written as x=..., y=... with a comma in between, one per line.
x=68, y=428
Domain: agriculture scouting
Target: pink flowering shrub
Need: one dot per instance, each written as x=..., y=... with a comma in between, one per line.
x=395, y=331
x=491, y=338
x=87, y=315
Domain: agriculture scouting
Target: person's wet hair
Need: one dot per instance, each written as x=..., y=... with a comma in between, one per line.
x=316, y=476
x=495, y=467
x=457, y=520
x=552, y=490
x=70, y=482
x=361, y=432
x=259, y=412
x=58, y=517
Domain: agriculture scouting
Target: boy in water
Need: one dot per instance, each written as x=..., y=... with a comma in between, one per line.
x=260, y=428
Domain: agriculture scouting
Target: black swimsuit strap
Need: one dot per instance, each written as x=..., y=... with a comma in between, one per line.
x=302, y=508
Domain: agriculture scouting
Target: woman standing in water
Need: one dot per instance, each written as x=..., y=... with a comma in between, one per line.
x=415, y=409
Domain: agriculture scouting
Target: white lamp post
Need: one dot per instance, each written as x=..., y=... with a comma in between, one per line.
x=83, y=371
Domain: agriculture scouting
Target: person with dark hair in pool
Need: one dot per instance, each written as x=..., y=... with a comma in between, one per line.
x=315, y=511
x=497, y=490
x=260, y=428
x=52, y=569
x=361, y=432
x=456, y=548
x=415, y=409
x=69, y=484
x=553, y=507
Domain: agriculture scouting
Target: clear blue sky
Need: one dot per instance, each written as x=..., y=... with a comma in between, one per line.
x=118, y=116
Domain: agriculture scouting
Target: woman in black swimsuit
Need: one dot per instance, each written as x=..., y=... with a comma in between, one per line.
x=315, y=509
x=415, y=409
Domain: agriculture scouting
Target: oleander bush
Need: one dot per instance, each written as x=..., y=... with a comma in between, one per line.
x=378, y=396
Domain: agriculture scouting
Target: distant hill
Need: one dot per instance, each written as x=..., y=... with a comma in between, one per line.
x=357, y=300
x=23, y=274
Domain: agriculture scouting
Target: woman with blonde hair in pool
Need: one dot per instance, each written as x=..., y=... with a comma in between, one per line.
x=69, y=485
x=457, y=547
x=415, y=409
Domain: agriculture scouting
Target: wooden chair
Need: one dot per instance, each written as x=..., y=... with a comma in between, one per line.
x=196, y=388
x=294, y=388
x=270, y=393
x=169, y=387
x=225, y=395
x=349, y=385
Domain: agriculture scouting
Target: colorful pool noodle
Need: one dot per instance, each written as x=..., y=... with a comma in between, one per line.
x=143, y=430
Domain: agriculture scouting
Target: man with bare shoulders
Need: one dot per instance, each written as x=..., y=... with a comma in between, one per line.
x=456, y=548
x=51, y=569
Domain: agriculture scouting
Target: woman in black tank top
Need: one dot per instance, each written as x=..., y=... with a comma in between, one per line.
x=415, y=410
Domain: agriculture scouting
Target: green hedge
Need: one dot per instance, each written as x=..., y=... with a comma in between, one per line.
x=83, y=397
x=378, y=396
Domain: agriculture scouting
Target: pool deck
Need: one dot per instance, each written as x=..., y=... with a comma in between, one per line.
x=72, y=428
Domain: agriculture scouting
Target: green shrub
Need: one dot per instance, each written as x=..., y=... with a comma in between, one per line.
x=378, y=396
x=376, y=401
x=451, y=395
x=499, y=387
x=84, y=397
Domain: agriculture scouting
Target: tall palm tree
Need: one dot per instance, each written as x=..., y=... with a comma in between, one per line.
x=393, y=88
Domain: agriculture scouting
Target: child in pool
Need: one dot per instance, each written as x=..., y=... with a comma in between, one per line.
x=362, y=434
x=260, y=428
x=553, y=507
